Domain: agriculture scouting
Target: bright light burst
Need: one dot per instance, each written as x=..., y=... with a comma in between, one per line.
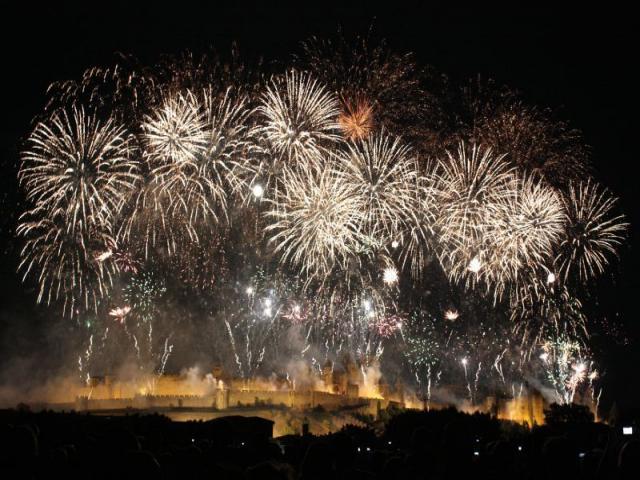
x=119, y=313
x=384, y=175
x=299, y=118
x=356, y=119
x=593, y=231
x=451, y=315
x=314, y=221
x=77, y=172
x=471, y=190
x=390, y=275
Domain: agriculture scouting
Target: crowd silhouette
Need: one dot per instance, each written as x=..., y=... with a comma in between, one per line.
x=444, y=444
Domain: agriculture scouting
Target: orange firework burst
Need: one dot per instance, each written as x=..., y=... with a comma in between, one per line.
x=356, y=119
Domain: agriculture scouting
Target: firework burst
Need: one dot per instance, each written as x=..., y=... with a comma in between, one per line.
x=65, y=263
x=314, y=221
x=356, y=119
x=526, y=231
x=385, y=178
x=80, y=169
x=77, y=173
x=299, y=118
x=471, y=191
x=593, y=231
x=567, y=367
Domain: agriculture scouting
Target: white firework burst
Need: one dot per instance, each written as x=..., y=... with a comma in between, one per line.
x=525, y=231
x=77, y=173
x=197, y=152
x=79, y=168
x=176, y=131
x=64, y=262
x=471, y=190
x=385, y=176
x=593, y=231
x=314, y=220
x=299, y=118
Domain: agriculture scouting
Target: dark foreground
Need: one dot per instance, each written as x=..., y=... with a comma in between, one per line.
x=409, y=445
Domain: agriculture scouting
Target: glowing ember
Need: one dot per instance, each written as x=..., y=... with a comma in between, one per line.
x=451, y=315
x=390, y=275
x=119, y=313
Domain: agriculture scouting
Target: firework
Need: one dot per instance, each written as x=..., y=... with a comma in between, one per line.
x=542, y=310
x=390, y=84
x=299, y=118
x=178, y=144
x=314, y=222
x=390, y=276
x=142, y=294
x=451, y=315
x=124, y=89
x=593, y=232
x=79, y=169
x=384, y=176
x=423, y=342
x=567, y=368
x=471, y=190
x=77, y=173
x=299, y=224
x=65, y=263
x=534, y=141
x=197, y=152
x=356, y=120
x=119, y=313
x=175, y=132
x=229, y=140
x=526, y=231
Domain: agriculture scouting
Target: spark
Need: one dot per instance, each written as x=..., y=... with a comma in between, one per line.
x=390, y=275
x=474, y=265
x=257, y=190
x=119, y=313
x=451, y=315
x=104, y=255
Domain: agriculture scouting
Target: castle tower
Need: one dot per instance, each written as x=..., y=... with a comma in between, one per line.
x=327, y=374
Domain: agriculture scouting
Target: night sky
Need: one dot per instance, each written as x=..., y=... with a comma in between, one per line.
x=580, y=62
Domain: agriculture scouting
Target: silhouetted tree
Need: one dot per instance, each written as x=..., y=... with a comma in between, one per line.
x=567, y=414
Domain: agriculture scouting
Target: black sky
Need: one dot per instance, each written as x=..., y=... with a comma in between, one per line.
x=580, y=61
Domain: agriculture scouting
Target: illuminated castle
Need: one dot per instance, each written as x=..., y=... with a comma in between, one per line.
x=331, y=389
